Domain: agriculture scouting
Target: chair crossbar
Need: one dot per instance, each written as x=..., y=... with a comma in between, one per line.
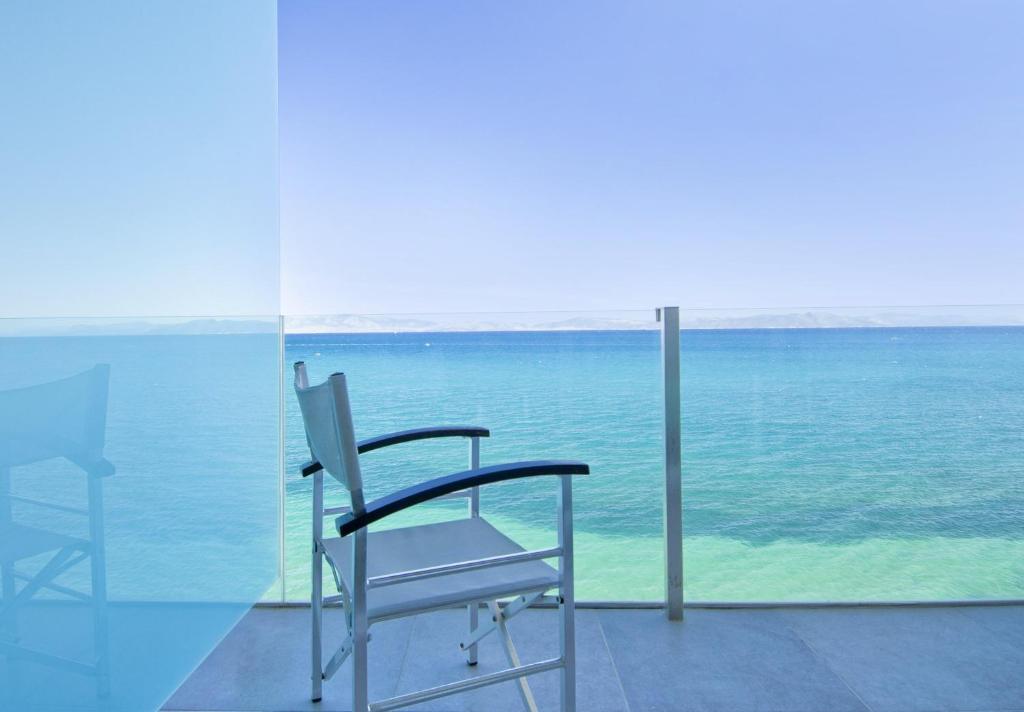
x=474, y=683
x=512, y=655
x=508, y=611
x=343, y=651
x=471, y=565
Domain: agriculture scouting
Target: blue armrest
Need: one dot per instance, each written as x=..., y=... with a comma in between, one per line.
x=404, y=436
x=431, y=489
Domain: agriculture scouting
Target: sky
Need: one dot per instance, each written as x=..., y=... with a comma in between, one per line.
x=244, y=157
x=491, y=156
x=138, y=158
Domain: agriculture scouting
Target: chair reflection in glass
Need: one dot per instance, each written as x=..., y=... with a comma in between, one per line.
x=39, y=423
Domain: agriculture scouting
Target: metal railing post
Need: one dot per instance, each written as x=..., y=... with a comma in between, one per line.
x=672, y=515
x=281, y=424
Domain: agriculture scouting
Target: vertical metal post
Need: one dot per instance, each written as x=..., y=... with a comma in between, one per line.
x=474, y=511
x=673, y=506
x=281, y=512
x=317, y=590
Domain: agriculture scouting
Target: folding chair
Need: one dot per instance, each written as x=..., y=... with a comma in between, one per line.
x=65, y=418
x=406, y=571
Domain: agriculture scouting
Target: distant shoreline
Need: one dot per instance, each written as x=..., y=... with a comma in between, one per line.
x=101, y=332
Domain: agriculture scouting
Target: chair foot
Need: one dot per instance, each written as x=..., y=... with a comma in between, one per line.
x=471, y=663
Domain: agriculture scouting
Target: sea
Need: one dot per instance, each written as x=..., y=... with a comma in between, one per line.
x=818, y=464
x=860, y=464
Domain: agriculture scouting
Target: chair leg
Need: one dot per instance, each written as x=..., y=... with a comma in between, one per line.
x=360, y=626
x=474, y=621
x=566, y=599
x=98, y=582
x=316, y=601
x=568, y=638
x=316, y=651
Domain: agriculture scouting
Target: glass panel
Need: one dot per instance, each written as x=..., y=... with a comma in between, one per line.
x=138, y=468
x=556, y=385
x=853, y=454
x=140, y=178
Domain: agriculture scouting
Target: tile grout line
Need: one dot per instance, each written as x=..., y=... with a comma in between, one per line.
x=983, y=625
x=405, y=654
x=611, y=659
x=828, y=664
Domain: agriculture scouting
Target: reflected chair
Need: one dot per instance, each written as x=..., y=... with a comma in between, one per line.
x=402, y=572
x=60, y=419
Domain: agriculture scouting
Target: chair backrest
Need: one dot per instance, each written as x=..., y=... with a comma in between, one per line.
x=65, y=418
x=327, y=416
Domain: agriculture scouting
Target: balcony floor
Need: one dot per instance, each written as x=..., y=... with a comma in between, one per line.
x=813, y=659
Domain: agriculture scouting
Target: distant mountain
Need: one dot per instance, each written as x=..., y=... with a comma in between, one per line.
x=829, y=320
x=357, y=324
x=217, y=326
x=343, y=324
x=806, y=320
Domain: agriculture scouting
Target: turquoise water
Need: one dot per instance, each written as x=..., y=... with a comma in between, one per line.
x=818, y=464
x=872, y=464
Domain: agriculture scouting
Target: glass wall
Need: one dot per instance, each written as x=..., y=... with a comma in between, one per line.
x=138, y=502
x=139, y=459
x=549, y=385
x=853, y=454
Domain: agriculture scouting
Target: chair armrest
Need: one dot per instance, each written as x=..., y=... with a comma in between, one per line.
x=431, y=489
x=404, y=436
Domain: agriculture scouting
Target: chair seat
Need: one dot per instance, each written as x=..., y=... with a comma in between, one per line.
x=396, y=550
x=18, y=541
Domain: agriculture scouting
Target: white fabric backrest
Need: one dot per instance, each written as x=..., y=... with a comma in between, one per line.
x=65, y=418
x=327, y=415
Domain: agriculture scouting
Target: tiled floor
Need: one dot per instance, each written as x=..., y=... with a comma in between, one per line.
x=813, y=659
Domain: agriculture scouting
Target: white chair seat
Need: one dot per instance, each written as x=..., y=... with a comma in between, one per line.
x=18, y=542
x=396, y=550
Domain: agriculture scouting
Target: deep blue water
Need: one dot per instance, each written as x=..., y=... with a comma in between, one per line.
x=839, y=463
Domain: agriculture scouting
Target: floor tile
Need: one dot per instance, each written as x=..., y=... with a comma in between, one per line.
x=902, y=659
x=719, y=660
x=264, y=664
x=434, y=658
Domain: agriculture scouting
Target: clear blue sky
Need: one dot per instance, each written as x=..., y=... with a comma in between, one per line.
x=451, y=156
x=138, y=158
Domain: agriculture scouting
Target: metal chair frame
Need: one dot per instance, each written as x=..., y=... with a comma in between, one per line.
x=353, y=522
